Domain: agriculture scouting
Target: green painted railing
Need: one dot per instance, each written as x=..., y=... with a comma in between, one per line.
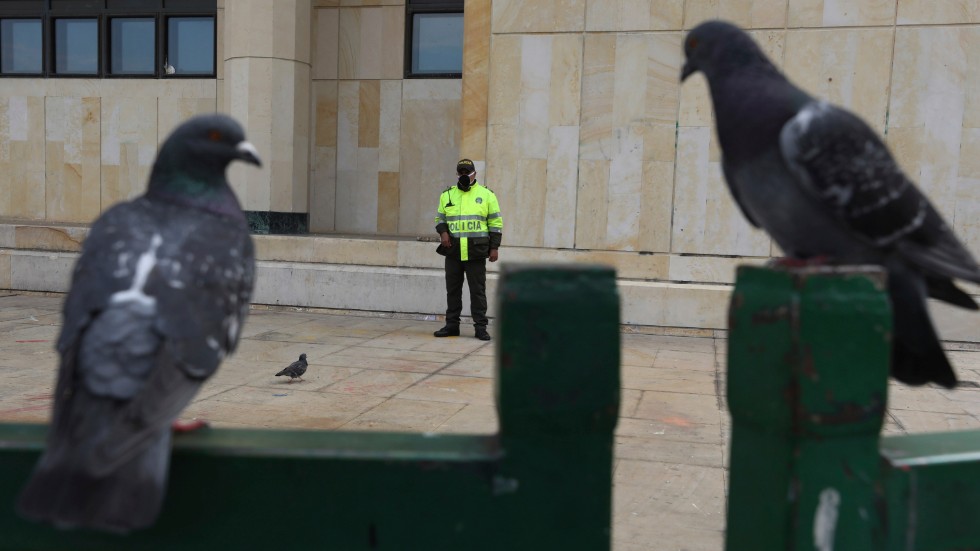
x=543, y=482
x=807, y=389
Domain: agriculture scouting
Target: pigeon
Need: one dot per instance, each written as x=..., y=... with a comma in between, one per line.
x=157, y=300
x=295, y=369
x=823, y=185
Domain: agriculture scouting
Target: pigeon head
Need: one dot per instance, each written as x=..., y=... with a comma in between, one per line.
x=716, y=48
x=197, y=153
x=302, y=357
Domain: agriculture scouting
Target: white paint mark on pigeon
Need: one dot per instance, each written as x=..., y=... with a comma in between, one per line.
x=212, y=343
x=232, y=329
x=808, y=113
x=144, y=266
x=825, y=520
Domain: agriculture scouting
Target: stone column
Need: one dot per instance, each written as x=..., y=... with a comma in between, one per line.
x=267, y=88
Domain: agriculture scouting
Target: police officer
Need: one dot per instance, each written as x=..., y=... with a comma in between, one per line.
x=470, y=226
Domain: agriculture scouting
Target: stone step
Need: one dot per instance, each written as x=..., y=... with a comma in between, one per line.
x=403, y=275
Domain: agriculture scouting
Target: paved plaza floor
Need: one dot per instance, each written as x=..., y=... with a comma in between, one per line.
x=380, y=373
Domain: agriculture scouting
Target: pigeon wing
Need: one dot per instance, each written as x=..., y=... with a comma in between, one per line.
x=841, y=162
x=726, y=171
x=153, y=358
x=203, y=288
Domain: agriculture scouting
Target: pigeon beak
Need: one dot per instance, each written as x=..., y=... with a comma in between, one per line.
x=687, y=71
x=246, y=152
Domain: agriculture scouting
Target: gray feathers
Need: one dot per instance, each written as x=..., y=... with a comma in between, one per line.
x=158, y=298
x=295, y=369
x=820, y=182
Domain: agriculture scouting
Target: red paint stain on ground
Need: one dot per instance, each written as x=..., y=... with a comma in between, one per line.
x=24, y=409
x=678, y=422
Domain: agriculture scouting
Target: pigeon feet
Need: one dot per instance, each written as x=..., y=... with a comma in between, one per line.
x=181, y=426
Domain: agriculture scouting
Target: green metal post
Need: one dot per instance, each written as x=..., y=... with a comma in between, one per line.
x=544, y=482
x=933, y=485
x=551, y=320
x=807, y=386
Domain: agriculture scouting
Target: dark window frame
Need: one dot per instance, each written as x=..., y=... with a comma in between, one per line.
x=27, y=16
x=48, y=55
x=104, y=10
x=416, y=7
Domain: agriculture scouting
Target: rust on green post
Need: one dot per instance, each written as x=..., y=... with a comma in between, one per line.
x=543, y=482
x=809, y=353
x=807, y=386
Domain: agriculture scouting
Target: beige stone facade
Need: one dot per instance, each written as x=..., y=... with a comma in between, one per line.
x=572, y=110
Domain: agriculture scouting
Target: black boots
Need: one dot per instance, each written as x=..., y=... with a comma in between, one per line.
x=453, y=331
x=448, y=331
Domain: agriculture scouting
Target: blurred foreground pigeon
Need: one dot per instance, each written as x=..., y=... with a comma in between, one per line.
x=295, y=369
x=822, y=184
x=158, y=298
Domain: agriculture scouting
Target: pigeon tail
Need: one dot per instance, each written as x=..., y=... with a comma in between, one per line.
x=945, y=290
x=917, y=354
x=129, y=498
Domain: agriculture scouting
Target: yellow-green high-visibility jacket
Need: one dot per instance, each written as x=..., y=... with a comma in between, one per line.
x=473, y=220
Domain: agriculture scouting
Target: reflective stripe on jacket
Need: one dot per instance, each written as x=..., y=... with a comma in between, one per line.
x=471, y=218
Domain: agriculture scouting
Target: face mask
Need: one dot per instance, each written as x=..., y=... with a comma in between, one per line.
x=464, y=182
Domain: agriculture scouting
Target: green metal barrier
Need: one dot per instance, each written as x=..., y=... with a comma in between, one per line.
x=543, y=482
x=807, y=389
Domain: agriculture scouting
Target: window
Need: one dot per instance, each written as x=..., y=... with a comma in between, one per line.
x=132, y=45
x=190, y=45
x=434, y=39
x=108, y=38
x=20, y=47
x=76, y=46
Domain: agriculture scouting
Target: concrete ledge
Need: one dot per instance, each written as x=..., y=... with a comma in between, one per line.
x=405, y=276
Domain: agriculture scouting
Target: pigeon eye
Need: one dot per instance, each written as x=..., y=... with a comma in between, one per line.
x=692, y=43
x=215, y=136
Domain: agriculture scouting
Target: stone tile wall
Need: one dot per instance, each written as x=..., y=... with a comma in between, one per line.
x=71, y=148
x=383, y=148
x=592, y=143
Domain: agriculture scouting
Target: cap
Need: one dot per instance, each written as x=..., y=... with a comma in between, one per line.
x=465, y=165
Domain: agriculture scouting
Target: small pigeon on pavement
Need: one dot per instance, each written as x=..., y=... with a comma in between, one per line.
x=157, y=300
x=295, y=369
x=822, y=184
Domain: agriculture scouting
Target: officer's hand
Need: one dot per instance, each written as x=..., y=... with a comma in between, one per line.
x=493, y=255
x=446, y=241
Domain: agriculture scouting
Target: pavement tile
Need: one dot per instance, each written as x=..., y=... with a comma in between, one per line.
x=284, y=353
x=471, y=366
x=664, y=504
x=668, y=380
x=670, y=430
x=678, y=409
x=376, y=383
x=352, y=359
x=464, y=344
x=927, y=421
x=405, y=415
x=286, y=409
x=629, y=399
x=412, y=355
x=669, y=451
x=451, y=388
x=472, y=419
